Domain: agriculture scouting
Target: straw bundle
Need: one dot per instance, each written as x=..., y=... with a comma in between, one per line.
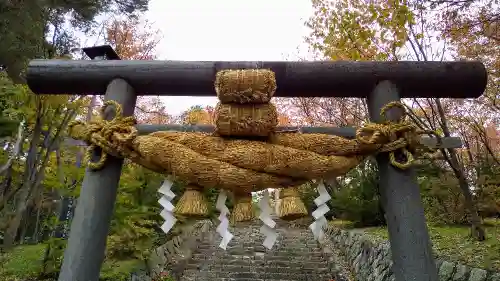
x=324, y=144
x=190, y=166
x=291, y=206
x=264, y=157
x=192, y=203
x=243, y=209
x=258, y=120
x=245, y=86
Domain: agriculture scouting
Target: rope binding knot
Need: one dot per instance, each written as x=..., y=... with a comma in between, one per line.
x=104, y=136
x=392, y=136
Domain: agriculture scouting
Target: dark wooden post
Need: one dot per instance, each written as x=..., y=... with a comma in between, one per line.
x=104, y=52
x=87, y=240
x=410, y=243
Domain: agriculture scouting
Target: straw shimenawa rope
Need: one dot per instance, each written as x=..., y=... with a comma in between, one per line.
x=287, y=160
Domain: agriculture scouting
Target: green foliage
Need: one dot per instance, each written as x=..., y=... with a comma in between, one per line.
x=488, y=191
x=119, y=270
x=356, y=30
x=442, y=198
x=453, y=243
x=9, y=114
x=53, y=257
x=308, y=193
x=23, y=262
x=7, y=127
x=22, y=42
x=134, y=227
x=48, y=172
x=359, y=201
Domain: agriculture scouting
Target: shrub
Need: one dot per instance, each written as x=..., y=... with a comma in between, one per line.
x=358, y=200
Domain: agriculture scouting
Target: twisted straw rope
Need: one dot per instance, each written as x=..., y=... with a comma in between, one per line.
x=114, y=136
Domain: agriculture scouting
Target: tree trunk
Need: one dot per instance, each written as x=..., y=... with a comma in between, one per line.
x=11, y=231
x=27, y=181
x=16, y=149
x=6, y=185
x=35, y=166
x=24, y=229
x=37, y=225
x=477, y=231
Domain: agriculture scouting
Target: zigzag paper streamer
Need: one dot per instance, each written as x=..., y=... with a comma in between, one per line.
x=168, y=208
x=222, y=228
x=265, y=216
x=319, y=214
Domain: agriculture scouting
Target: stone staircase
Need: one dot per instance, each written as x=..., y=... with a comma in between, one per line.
x=296, y=256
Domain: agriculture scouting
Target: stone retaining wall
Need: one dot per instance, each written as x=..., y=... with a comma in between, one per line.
x=371, y=261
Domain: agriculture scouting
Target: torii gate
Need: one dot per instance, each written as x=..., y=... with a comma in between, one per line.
x=379, y=82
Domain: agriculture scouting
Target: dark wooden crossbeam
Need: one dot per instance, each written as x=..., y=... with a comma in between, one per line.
x=295, y=79
x=347, y=132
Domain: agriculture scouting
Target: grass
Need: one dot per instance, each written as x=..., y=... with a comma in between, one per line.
x=452, y=243
x=25, y=261
x=341, y=224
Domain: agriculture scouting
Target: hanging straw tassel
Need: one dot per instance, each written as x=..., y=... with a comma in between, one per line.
x=243, y=209
x=192, y=203
x=291, y=206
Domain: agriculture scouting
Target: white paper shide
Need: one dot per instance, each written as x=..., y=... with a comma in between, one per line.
x=267, y=228
x=168, y=208
x=223, y=226
x=319, y=214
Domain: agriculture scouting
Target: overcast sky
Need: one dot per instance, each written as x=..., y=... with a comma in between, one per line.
x=226, y=30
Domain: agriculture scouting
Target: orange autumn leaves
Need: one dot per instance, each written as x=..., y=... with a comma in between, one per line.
x=132, y=39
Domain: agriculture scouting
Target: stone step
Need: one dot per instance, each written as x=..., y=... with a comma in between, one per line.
x=255, y=263
x=267, y=255
x=197, y=275
x=313, y=256
x=295, y=256
x=258, y=243
x=309, y=241
x=283, y=266
x=256, y=258
x=261, y=248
